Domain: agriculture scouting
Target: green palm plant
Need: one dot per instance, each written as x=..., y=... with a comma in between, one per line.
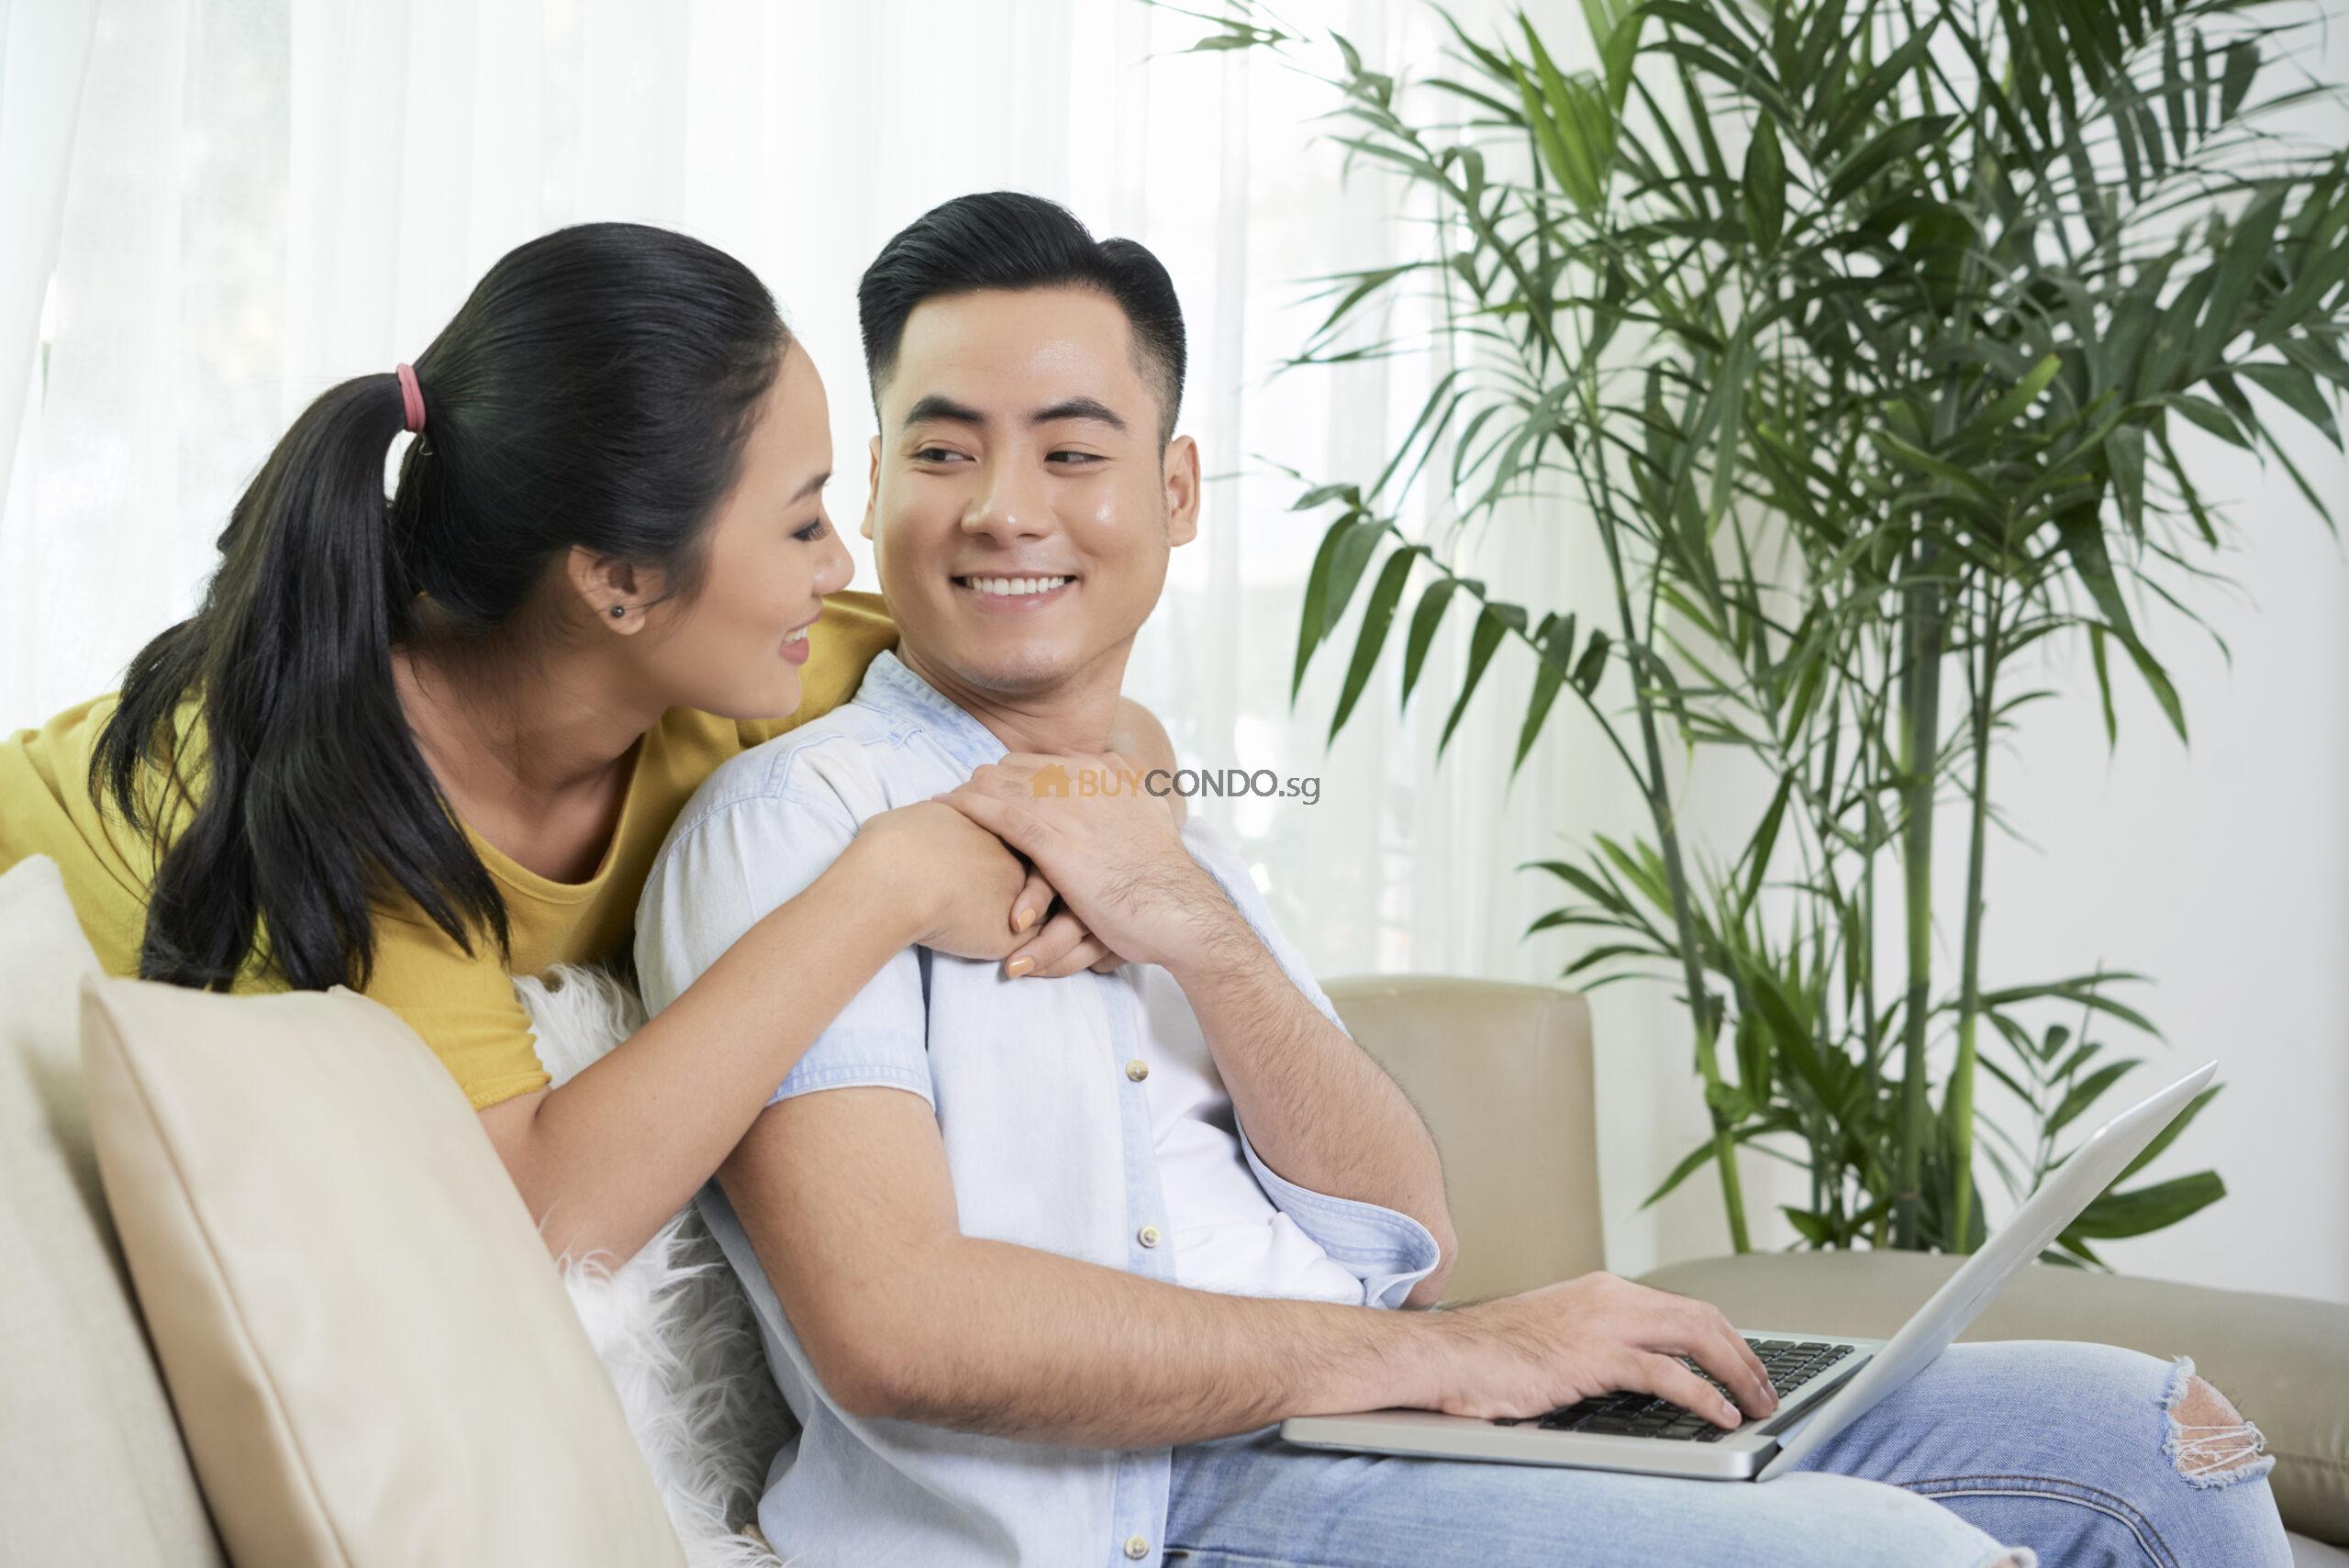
x=1863, y=411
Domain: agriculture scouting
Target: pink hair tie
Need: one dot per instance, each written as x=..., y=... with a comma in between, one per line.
x=412, y=395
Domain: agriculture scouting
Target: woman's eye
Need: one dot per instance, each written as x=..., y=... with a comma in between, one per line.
x=811, y=533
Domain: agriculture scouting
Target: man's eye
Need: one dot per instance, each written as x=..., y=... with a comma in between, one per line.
x=933, y=454
x=811, y=533
x=1079, y=458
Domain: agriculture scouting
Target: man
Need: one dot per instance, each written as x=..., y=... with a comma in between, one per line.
x=1041, y=1252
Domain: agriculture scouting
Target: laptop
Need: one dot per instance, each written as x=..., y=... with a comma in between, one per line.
x=1825, y=1382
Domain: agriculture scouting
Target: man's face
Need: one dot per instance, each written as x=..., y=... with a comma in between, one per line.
x=1021, y=507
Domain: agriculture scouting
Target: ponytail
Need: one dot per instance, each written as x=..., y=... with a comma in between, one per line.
x=314, y=794
x=595, y=390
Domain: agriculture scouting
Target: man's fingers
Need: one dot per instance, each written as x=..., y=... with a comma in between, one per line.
x=1014, y=825
x=1761, y=1374
x=1749, y=1382
x=1733, y=1359
x=1666, y=1377
x=1709, y=1348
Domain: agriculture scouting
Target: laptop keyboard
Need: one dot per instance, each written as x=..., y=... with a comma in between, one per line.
x=1790, y=1363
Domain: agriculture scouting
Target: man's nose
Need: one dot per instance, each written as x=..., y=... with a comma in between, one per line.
x=1010, y=505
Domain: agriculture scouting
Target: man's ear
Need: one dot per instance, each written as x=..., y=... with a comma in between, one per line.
x=1182, y=490
x=604, y=582
x=871, y=488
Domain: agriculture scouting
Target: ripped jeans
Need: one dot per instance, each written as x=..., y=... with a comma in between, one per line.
x=1997, y=1455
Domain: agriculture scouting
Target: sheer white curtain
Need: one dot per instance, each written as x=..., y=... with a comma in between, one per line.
x=265, y=197
x=228, y=205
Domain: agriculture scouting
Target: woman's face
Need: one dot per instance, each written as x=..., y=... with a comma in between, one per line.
x=738, y=649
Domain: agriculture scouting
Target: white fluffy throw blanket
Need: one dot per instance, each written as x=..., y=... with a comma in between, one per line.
x=672, y=1324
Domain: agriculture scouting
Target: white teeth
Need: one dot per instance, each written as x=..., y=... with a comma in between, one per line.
x=1015, y=586
x=799, y=636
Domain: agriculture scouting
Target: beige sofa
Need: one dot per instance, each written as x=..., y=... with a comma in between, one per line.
x=1503, y=1073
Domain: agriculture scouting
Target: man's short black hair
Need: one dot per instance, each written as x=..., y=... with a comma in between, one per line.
x=1004, y=240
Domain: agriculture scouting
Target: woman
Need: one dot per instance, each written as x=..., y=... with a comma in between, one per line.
x=418, y=750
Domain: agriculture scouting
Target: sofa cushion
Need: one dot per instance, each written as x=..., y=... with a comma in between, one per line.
x=2283, y=1362
x=83, y=1417
x=371, y=1356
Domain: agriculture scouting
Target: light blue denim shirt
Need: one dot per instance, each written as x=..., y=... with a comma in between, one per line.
x=1048, y=1142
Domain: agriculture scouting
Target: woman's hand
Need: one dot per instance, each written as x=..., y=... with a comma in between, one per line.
x=983, y=901
x=1109, y=845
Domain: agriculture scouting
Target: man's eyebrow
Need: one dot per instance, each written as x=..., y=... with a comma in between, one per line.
x=1079, y=408
x=938, y=405
x=810, y=487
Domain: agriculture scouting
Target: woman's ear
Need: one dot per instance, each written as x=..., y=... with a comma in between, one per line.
x=606, y=582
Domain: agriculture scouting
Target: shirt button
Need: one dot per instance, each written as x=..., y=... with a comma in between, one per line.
x=1137, y=1069
x=1137, y=1547
x=1148, y=1236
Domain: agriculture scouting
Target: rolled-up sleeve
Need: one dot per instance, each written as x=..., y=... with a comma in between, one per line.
x=727, y=866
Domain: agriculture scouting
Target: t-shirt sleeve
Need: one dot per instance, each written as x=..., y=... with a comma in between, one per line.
x=465, y=1007
x=724, y=870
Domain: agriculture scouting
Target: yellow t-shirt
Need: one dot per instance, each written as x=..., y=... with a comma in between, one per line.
x=464, y=1007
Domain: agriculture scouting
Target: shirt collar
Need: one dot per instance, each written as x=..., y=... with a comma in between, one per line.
x=892, y=688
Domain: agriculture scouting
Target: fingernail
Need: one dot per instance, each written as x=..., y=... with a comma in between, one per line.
x=1728, y=1412
x=1017, y=967
x=1024, y=918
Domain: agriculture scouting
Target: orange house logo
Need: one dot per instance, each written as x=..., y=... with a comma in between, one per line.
x=1051, y=779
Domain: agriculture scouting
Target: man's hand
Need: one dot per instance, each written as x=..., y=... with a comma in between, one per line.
x=1527, y=1355
x=1108, y=846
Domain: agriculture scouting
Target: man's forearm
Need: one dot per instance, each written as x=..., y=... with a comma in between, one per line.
x=1319, y=1110
x=1022, y=1343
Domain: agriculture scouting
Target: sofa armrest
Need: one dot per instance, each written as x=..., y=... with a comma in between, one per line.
x=1501, y=1074
x=2283, y=1362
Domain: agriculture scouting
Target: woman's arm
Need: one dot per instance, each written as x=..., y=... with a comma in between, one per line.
x=603, y=1161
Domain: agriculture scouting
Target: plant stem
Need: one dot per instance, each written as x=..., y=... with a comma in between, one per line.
x=1959, y=1106
x=1920, y=756
x=1683, y=921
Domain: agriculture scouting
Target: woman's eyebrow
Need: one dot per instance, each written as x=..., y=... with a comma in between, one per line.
x=814, y=484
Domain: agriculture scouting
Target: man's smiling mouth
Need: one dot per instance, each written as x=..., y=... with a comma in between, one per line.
x=999, y=587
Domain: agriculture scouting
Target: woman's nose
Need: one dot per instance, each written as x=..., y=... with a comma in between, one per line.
x=838, y=566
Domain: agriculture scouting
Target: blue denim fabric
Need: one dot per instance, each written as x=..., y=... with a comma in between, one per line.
x=1993, y=1455
x=1048, y=1142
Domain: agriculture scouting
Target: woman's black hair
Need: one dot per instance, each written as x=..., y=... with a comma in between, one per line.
x=1007, y=239
x=596, y=389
